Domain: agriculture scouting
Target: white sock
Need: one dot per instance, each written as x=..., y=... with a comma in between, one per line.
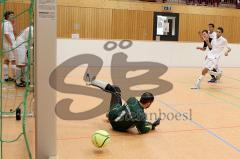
x=18, y=75
x=14, y=71
x=100, y=84
x=5, y=71
x=198, y=82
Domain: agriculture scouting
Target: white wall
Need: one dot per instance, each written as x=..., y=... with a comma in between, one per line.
x=172, y=54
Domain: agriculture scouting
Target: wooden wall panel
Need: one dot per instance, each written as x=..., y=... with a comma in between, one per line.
x=126, y=21
x=190, y=24
x=134, y=20
x=87, y=22
x=129, y=24
x=137, y=25
x=147, y=6
x=105, y=19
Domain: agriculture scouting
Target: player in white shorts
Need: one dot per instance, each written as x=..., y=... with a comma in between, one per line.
x=8, y=45
x=219, y=46
x=213, y=35
x=21, y=55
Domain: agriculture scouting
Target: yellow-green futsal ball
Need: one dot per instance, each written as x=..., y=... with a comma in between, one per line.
x=100, y=138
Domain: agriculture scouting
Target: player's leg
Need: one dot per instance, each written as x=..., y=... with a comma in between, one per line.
x=19, y=76
x=114, y=90
x=200, y=78
x=10, y=59
x=20, y=62
x=219, y=71
x=215, y=72
x=5, y=68
x=116, y=98
x=207, y=66
x=13, y=69
x=6, y=63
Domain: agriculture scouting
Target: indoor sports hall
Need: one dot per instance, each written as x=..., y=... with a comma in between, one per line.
x=74, y=73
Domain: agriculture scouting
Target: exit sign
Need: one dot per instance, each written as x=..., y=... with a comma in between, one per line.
x=167, y=8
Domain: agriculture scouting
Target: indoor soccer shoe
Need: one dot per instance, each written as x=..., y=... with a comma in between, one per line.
x=89, y=78
x=196, y=86
x=213, y=80
x=9, y=79
x=20, y=84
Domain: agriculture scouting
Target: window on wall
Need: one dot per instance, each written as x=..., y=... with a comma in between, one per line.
x=166, y=26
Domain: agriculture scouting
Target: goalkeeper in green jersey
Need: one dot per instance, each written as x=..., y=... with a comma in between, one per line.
x=128, y=115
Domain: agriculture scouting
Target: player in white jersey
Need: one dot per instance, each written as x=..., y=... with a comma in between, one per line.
x=21, y=52
x=204, y=35
x=212, y=34
x=8, y=45
x=219, y=46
